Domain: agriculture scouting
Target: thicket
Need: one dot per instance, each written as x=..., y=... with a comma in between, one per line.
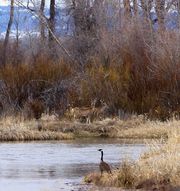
x=142, y=74
x=135, y=69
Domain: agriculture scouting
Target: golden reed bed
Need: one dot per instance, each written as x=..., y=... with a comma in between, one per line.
x=14, y=129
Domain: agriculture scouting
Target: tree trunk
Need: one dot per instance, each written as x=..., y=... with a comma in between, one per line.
x=42, y=27
x=52, y=19
x=87, y=19
x=135, y=7
x=6, y=40
x=127, y=9
x=80, y=16
x=178, y=10
x=97, y=17
x=146, y=7
x=160, y=11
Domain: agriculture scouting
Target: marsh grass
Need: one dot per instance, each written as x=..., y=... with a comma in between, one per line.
x=16, y=128
x=13, y=129
x=22, y=134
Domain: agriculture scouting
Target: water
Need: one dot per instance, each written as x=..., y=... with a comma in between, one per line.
x=54, y=166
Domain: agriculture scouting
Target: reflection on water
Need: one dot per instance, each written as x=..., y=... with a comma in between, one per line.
x=58, y=166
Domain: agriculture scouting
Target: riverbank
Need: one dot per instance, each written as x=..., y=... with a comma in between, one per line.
x=159, y=166
x=14, y=129
x=158, y=169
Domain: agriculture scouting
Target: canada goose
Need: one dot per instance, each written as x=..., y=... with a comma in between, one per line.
x=103, y=165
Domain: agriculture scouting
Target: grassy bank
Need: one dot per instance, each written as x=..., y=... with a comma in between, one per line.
x=14, y=129
x=157, y=169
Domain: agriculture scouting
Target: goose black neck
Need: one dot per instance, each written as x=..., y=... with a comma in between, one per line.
x=101, y=155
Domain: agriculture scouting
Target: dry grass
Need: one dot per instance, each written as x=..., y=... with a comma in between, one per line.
x=134, y=128
x=12, y=129
x=159, y=169
x=15, y=128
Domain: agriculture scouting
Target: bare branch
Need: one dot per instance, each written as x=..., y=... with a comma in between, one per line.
x=43, y=20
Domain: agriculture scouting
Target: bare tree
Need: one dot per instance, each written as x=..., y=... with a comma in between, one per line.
x=178, y=10
x=6, y=40
x=160, y=11
x=99, y=15
x=85, y=28
x=146, y=8
x=42, y=27
x=45, y=22
x=127, y=8
x=135, y=7
x=52, y=19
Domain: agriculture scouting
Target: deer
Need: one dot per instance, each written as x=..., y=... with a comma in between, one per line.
x=97, y=110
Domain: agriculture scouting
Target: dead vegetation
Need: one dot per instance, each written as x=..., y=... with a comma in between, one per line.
x=134, y=128
x=137, y=77
x=131, y=64
x=13, y=129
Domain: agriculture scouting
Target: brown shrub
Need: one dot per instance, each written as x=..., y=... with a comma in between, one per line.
x=35, y=108
x=134, y=69
x=25, y=81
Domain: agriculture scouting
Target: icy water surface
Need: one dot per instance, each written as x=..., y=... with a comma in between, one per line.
x=54, y=166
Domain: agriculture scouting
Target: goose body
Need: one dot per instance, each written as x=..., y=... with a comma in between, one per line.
x=103, y=166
